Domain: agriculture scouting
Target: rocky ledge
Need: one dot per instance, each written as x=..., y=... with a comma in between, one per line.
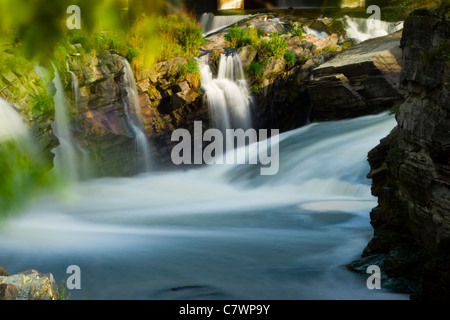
x=27, y=285
x=410, y=169
x=359, y=81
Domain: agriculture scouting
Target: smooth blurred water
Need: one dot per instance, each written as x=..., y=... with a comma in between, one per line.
x=216, y=232
x=227, y=94
x=364, y=29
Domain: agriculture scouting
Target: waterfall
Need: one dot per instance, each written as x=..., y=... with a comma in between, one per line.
x=134, y=116
x=23, y=174
x=75, y=87
x=227, y=95
x=365, y=29
x=12, y=126
x=211, y=23
x=84, y=167
x=65, y=156
x=316, y=33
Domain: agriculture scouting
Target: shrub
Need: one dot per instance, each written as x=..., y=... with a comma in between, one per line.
x=296, y=31
x=190, y=67
x=276, y=46
x=347, y=44
x=261, y=33
x=255, y=72
x=328, y=49
x=132, y=53
x=150, y=39
x=235, y=37
x=238, y=37
x=290, y=58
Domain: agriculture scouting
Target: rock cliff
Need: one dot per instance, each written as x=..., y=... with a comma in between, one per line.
x=168, y=99
x=410, y=169
x=23, y=88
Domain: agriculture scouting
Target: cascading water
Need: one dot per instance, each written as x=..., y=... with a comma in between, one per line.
x=211, y=23
x=11, y=123
x=227, y=95
x=365, y=29
x=133, y=114
x=75, y=87
x=316, y=33
x=22, y=173
x=65, y=163
x=84, y=166
x=218, y=232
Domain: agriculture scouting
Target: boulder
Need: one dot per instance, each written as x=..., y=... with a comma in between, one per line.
x=247, y=55
x=273, y=67
x=362, y=80
x=28, y=285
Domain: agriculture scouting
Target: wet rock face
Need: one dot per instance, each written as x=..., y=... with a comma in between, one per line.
x=410, y=169
x=98, y=113
x=168, y=99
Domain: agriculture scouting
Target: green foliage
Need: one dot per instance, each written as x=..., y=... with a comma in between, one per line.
x=260, y=33
x=239, y=37
x=347, y=44
x=297, y=31
x=62, y=292
x=179, y=36
x=255, y=72
x=43, y=102
x=290, y=58
x=132, y=53
x=328, y=49
x=190, y=67
x=23, y=175
x=236, y=37
x=275, y=47
x=149, y=40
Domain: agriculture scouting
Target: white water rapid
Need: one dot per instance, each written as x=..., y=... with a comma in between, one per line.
x=365, y=29
x=217, y=232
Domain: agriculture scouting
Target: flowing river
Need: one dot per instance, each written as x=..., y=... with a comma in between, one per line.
x=215, y=232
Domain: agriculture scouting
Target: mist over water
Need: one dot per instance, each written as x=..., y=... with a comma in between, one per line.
x=216, y=232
